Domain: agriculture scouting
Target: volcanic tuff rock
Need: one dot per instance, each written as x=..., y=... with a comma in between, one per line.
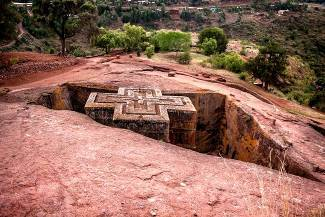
x=61, y=162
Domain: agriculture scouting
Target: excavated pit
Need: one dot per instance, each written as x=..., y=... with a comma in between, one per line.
x=222, y=128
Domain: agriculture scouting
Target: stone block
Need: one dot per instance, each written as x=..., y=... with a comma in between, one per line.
x=146, y=111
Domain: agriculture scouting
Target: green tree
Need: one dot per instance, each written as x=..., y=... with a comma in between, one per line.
x=269, y=64
x=217, y=34
x=63, y=16
x=172, y=40
x=108, y=40
x=9, y=19
x=229, y=61
x=259, y=4
x=134, y=36
x=186, y=15
x=89, y=17
x=209, y=46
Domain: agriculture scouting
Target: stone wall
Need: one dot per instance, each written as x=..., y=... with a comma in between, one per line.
x=211, y=122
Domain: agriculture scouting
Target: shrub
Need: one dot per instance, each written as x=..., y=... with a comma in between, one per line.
x=184, y=58
x=110, y=39
x=5, y=64
x=144, y=45
x=171, y=40
x=38, y=32
x=229, y=61
x=9, y=18
x=204, y=63
x=243, y=76
x=134, y=36
x=13, y=61
x=209, y=46
x=130, y=38
x=78, y=53
x=318, y=98
x=217, y=34
x=186, y=15
x=150, y=51
x=51, y=50
x=299, y=96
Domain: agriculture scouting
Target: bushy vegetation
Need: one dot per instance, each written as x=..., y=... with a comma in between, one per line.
x=318, y=98
x=269, y=64
x=134, y=37
x=64, y=17
x=37, y=29
x=229, y=61
x=78, y=52
x=9, y=18
x=196, y=16
x=171, y=40
x=111, y=12
x=265, y=5
x=150, y=51
x=130, y=38
x=243, y=76
x=109, y=39
x=217, y=34
x=209, y=46
x=139, y=14
x=301, y=34
x=184, y=58
x=297, y=82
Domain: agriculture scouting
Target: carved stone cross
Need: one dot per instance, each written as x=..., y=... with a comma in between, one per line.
x=146, y=111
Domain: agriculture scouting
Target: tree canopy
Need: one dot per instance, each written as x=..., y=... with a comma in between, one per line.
x=217, y=34
x=63, y=16
x=130, y=38
x=172, y=40
x=269, y=63
x=9, y=18
x=209, y=46
x=109, y=39
x=135, y=35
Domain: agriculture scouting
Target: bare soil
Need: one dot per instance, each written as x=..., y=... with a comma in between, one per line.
x=22, y=67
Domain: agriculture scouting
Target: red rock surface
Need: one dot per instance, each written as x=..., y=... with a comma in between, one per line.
x=20, y=66
x=62, y=163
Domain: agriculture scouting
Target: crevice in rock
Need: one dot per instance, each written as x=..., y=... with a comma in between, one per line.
x=223, y=128
x=318, y=128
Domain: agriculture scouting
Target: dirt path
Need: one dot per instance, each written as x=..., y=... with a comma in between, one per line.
x=54, y=77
